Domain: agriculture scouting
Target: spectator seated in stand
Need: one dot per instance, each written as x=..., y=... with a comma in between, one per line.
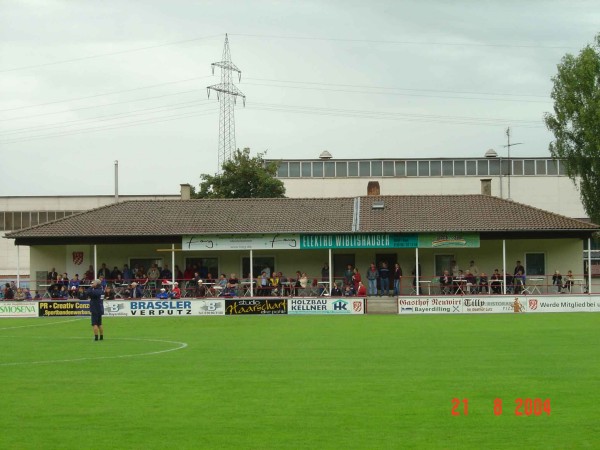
x=20, y=294
x=162, y=293
x=568, y=286
x=471, y=282
x=335, y=290
x=201, y=289
x=175, y=291
x=109, y=294
x=557, y=281
x=63, y=293
x=362, y=290
x=232, y=286
x=483, y=283
x=446, y=283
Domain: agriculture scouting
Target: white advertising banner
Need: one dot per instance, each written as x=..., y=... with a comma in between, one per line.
x=19, y=309
x=325, y=305
x=241, y=242
x=155, y=308
x=497, y=304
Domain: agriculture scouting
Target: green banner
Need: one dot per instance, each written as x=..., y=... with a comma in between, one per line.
x=380, y=240
x=449, y=240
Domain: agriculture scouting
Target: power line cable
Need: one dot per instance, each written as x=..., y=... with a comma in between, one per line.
x=381, y=41
x=106, y=93
x=398, y=88
x=102, y=55
x=402, y=94
x=101, y=105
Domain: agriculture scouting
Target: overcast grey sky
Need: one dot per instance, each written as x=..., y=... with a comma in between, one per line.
x=85, y=83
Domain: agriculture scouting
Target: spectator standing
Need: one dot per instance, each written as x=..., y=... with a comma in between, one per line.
x=384, y=279
x=356, y=278
x=103, y=271
x=127, y=274
x=325, y=272
x=397, y=277
x=348, y=275
x=372, y=276
x=519, y=268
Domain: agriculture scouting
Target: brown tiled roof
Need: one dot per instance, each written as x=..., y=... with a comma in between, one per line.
x=482, y=213
x=223, y=216
x=401, y=214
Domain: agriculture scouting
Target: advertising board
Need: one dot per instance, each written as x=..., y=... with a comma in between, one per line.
x=325, y=305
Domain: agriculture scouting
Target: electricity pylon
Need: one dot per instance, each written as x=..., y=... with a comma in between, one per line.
x=227, y=94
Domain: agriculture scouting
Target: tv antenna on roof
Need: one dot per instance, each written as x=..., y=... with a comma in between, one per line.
x=508, y=146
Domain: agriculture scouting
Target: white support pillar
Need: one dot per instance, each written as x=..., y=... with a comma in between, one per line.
x=251, y=280
x=589, y=266
x=173, y=263
x=18, y=267
x=504, y=266
x=330, y=272
x=95, y=261
x=417, y=274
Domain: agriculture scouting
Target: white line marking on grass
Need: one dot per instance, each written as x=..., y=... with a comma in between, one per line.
x=40, y=324
x=180, y=346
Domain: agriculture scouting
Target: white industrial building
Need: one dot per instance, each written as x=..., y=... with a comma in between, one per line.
x=538, y=182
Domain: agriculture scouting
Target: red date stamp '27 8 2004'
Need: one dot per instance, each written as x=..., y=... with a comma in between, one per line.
x=523, y=407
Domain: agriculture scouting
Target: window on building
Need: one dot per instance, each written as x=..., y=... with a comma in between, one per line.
x=562, y=170
x=442, y=262
x=552, y=167
x=447, y=168
x=25, y=219
x=423, y=168
x=295, y=169
x=376, y=169
x=340, y=263
x=364, y=168
x=535, y=264
x=60, y=214
x=2, y=226
x=34, y=218
x=482, y=167
x=258, y=264
x=317, y=169
x=341, y=169
x=435, y=168
x=16, y=220
x=43, y=217
x=282, y=170
x=400, y=168
x=205, y=266
x=494, y=166
x=411, y=168
x=459, y=167
x=329, y=169
x=540, y=167
x=471, y=167
x=517, y=168
x=352, y=169
x=306, y=170
x=388, y=168
x=529, y=167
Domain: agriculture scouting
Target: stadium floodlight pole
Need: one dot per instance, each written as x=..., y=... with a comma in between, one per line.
x=508, y=146
x=227, y=94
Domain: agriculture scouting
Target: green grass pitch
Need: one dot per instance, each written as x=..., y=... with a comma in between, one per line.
x=300, y=382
